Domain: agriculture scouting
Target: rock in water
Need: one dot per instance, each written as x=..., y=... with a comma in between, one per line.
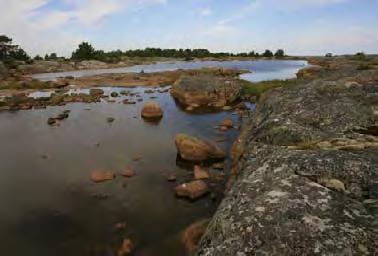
x=192, y=235
x=192, y=190
x=125, y=248
x=206, y=90
x=101, y=176
x=200, y=173
x=128, y=173
x=152, y=110
x=194, y=149
x=227, y=123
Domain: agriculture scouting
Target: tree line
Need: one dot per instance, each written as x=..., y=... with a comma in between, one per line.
x=11, y=53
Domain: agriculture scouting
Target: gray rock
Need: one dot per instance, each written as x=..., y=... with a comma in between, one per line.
x=292, y=196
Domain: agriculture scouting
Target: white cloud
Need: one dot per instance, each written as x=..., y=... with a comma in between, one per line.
x=205, y=12
x=40, y=30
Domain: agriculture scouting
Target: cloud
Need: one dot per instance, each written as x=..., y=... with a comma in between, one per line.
x=41, y=26
x=205, y=12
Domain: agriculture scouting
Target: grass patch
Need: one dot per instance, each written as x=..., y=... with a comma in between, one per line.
x=257, y=89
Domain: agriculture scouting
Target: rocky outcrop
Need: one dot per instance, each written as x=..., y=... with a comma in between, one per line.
x=195, y=149
x=206, y=91
x=305, y=176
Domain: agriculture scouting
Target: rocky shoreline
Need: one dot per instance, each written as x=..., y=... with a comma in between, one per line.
x=305, y=174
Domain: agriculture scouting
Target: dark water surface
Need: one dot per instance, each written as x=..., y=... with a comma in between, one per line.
x=49, y=206
x=262, y=69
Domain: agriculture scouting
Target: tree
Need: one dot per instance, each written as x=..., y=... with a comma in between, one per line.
x=85, y=51
x=279, y=53
x=9, y=53
x=268, y=54
x=37, y=57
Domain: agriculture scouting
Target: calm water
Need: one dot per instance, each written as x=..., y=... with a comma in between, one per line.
x=262, y=69
x=50, y=206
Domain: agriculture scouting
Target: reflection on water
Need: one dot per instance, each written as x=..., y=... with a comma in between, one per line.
x=49, y=204
x=262, y=69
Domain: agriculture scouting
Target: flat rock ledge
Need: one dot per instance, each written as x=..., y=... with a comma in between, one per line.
x=295, y=189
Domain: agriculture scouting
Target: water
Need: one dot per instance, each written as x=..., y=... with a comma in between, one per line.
x=49, y=205
x=261, y=69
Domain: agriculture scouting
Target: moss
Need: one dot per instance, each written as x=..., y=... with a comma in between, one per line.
x=257, y=89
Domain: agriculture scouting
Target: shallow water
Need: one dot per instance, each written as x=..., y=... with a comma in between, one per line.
x=262, y=69
x=49, y=206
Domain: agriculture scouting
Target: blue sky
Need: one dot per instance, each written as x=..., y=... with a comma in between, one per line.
x=301, y=27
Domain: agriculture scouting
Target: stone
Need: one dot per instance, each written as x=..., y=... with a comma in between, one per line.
x=334, y=184
x=51, y=121
x=101, y=176
x=192, y=190
x=195, y=149
x=126, y=248
x=200, y=173
x=192, y=235
x=96, y=92
x=171, y=177
x=227, y=123
x=110, y=119
x=206, y=90
x=114, y=94
x=128, y=173
x=152, y=110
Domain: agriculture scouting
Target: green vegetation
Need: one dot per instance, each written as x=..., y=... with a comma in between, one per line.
x=86, y=51
x=10, y=53
x=257, y=89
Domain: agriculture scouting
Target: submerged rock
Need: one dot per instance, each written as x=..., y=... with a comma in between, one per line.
x=192, y=235
x=152, y=110
x=126, y=248
x=192, y=190
x=195, y=149
x=200, y=173
x=101, y=176
x=128, y=173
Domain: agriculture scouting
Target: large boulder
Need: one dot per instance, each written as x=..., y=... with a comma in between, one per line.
x=206, y=90
x=152, y=110
x=195, y=149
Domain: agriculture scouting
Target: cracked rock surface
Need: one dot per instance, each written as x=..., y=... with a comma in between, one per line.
x=305, y=173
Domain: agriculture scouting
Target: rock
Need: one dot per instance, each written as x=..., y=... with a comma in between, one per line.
x=192, y=190
x=227, y=123
x=206, y=90
x=91, y=64
x=114, y=94
x=283, y=196
x=223, y=128
x=309, y=72
x=195, y=149
x=152, y=110
x=227, y=108
x=171, y=178
x=192, y=235
x=101, y=176
x=334, y=184
x=128, y=173
x=96, y=92
x=126, y=248
x=110, y=119
x=120, y=226
x=51, y=121
x=200, y=173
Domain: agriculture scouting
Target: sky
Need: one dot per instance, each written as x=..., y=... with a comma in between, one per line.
x=300, y=27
